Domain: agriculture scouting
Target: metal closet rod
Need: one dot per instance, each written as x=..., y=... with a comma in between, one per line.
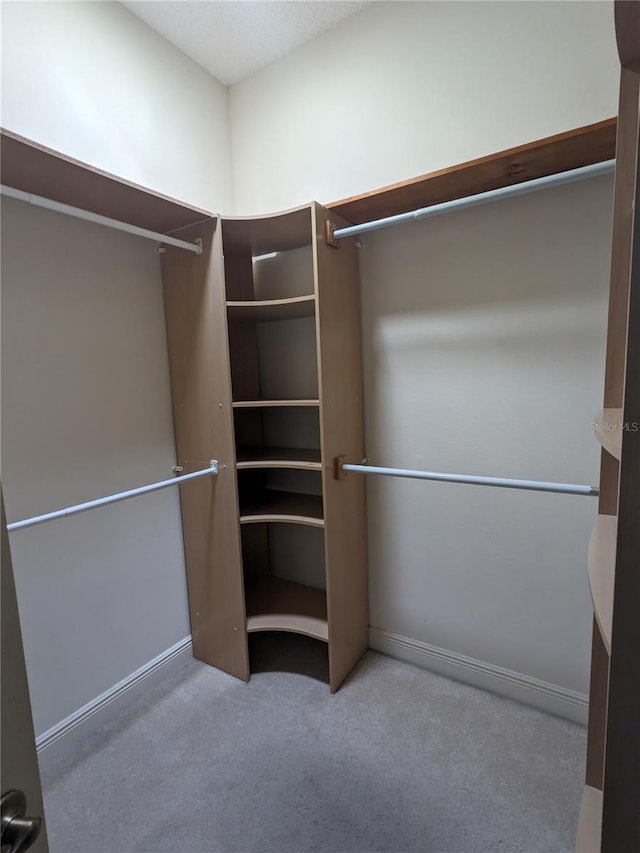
x=78, y=213
x=547, y=181
x=471, y=480
x=112, y=499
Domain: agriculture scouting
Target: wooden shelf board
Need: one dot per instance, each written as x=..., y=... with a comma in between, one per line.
x=275, y=232
x=274, y=604
x=602, y=565
x=560, y=153
x=609, y=430
x=588, y=838
x=36, y=169
x=271, y=505
x=253, y=404
x=272, y=309
x=278, y=457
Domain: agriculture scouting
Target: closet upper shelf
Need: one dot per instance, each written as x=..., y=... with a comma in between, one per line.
x=609, y=430
x=272, y=309
x=582, y=146
x=33, y=168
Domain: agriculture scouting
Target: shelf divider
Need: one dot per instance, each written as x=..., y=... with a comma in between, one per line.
x=272, y=309
x=271, y=505
x=278, y=457
x=255, y=404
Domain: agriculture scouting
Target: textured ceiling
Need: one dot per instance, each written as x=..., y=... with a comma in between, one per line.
x=233, y=39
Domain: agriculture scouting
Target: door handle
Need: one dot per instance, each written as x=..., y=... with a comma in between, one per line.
x=18, y=831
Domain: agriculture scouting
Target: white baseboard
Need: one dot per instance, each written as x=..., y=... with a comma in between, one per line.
x=540, y=694
x=62, y=737
x=531, y=691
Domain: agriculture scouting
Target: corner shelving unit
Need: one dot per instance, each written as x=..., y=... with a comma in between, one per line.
x=610, y=813
x=197, y=313
x=273, y=340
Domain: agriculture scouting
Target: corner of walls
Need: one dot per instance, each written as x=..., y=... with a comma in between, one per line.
x=92, y=81
x=403, y=88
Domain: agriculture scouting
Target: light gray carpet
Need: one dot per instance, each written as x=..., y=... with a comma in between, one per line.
x=398, y=760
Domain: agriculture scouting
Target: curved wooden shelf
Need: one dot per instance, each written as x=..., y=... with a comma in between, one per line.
x=274, y=604
x=609, y=431
x=268, y=310
x=278, y=457
x=270, y=232
x=602, y=565
x=589, y=833
x=254, y=404
x=271, y=505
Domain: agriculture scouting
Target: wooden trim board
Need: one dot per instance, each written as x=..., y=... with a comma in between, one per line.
x=581, y=146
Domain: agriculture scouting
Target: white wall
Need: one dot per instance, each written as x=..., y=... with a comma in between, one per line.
x=408, y=87
x=87, y=405
x=86, y=411
x=484, y=336
x=91, y=80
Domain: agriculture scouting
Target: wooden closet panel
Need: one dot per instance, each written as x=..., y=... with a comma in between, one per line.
x=621, y=804
x=342, y=432
x=200, y=380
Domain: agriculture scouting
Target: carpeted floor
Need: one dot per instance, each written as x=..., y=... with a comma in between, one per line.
x=398, y=760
